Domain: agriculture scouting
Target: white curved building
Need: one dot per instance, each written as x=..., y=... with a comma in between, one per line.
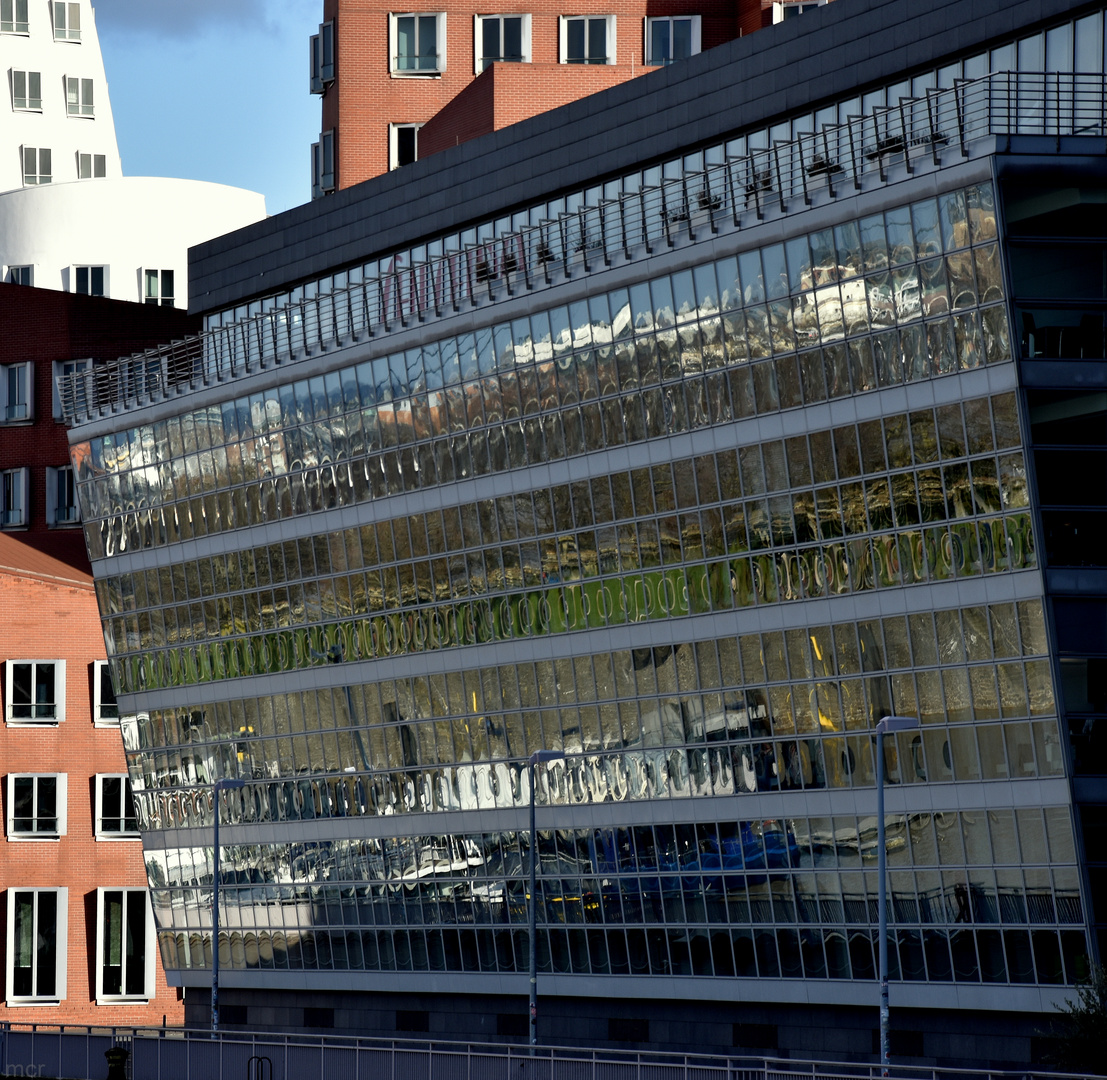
x=69, y=220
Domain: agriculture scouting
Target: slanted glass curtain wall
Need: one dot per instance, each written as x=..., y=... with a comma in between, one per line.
x=757, y=499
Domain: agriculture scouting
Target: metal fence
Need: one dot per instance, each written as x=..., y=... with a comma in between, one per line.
x=77, y=1053
x=736, y=193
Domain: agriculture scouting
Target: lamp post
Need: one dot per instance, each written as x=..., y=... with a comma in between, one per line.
x=225, y=784
x=885, y=725
x=532, y=911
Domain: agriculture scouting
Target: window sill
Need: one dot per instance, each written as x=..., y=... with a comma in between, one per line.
x=63, y=525
x=80, y=116
x=107, y=724
x=32, y=1003
x=141, y=999
x=31, y=723
x=116, y=838
x=22, y=422
x=33, y=838
x=416, y=74
x=16, y=109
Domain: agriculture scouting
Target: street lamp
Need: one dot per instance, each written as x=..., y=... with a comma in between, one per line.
x=885, y=725
x=535, y=758
x=225, y=784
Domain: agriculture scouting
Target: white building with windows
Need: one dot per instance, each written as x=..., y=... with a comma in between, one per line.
x=69, y=219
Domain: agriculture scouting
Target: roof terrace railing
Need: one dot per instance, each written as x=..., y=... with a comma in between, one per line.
x=735, y=194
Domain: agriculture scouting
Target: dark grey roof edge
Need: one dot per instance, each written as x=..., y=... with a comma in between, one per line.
x=845, y=47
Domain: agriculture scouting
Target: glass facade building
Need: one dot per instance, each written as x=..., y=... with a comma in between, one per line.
x=692, y=476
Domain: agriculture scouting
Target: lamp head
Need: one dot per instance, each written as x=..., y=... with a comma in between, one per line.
x=546, y=755
x=228, y=783
x=896, y=723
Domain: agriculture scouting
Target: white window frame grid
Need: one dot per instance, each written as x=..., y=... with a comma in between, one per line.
x=65, y=15
x=322, y=58
x=394, y=143
x=14, y=494
x=63, y=369
x=149, y=970
x=61, y=806
x=322, y=181
x=31, y=101
x=36, y=177
x=439, y=45
x=158, y=297
x=75, y=270
x=652, y=20
x=79, y=97
x=14, y=13
x=17, y=412
x=59, y=693
x=478, y=39
x=780, y=6
x=57, y=513
x=14, y=275
x=61, y=936
x=610, y=40
x=101, y=669
x=92, y=166
x=113, y=835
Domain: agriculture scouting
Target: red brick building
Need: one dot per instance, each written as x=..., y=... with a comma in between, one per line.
x=78, y=944
x=400, y=85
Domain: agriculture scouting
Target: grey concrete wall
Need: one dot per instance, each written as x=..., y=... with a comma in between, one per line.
x=833, y=53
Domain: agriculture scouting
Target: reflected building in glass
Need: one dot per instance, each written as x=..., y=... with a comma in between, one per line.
x=692, y=461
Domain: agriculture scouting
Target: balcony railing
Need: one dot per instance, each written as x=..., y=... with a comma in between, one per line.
x=838, y=160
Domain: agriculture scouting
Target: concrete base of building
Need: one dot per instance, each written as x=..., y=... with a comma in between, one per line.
x=958, y=1038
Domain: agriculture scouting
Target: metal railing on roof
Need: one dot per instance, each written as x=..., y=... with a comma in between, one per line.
x=735, y=194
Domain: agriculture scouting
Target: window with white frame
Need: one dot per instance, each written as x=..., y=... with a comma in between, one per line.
x=61, y=497
x=36, y=806
x=38, y=166
x=501, y=39
x=27, y=90
x=789, y=8
x=115, y=808
x=37, y=924
x=322, y=58
x=322, y=165
x=62, y=370
x=105, y=708
x=34, y=691
x=91, y=166
x=78, y=97
x=17, y=392
x=417, y=43
x=13, y=16
x=13, y=498
x=403, y=144
x=671, y=38
x=125, y=946
x=21, y=275
x=587, y=39
x=67, y=21
x=89, y=280
x=157, y=287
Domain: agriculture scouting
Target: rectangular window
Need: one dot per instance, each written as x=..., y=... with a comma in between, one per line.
x=115, y=808
x=37, y=924
x=78, y=97
x=13, y=16
x=789, y=8
x=89, y=280
x=62, y=370
x=17, y=392
x=27, y=90
x=417, y=43
x=124, y=945
x=21, y=275
x=61, y=497
x=13, y=498
x=157, y=287
x=322, y=165
x=403, y=144
x=672, y=38
x=37, y=166
x=34, y=691
x=501, y=39
x=36, y=806
x=67, y=21
x=91, y=166
x=322, y=58
x=588, y=39
x=105, y=709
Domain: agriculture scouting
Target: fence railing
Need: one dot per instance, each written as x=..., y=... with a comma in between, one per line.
x=77, y=1053
x=736, y=193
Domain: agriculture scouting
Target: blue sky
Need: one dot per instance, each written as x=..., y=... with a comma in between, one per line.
x=214, y=90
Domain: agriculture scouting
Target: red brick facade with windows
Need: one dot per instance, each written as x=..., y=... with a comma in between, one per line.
x=48, y=613
x=457, y=104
